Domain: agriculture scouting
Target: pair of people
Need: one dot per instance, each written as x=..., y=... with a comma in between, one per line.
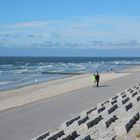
x=95, y=79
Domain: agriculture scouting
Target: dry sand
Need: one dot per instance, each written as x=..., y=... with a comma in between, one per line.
x=32, y=93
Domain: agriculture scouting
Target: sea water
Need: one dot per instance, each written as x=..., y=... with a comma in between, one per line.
x=21, y=71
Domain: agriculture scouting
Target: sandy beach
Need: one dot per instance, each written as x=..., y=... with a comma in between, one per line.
x=36, y=92
x=45, y=106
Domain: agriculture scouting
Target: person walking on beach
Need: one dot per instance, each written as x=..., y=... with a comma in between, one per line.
x=97, y=77
x=36, y=81
x=93, y=78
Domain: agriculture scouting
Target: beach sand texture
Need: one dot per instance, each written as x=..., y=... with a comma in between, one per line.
x=36, y=92
x=29, y=121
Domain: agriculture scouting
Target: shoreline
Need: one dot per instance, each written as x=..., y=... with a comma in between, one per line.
x=33, y=93
x=65, y=75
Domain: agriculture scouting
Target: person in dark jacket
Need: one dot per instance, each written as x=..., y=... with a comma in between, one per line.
x=97, y=79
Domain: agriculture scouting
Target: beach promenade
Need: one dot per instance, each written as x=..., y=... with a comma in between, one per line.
x=28, y=121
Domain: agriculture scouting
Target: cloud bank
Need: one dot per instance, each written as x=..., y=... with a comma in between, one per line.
x=101, y=32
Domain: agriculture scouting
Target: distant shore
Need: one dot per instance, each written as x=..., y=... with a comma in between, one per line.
x=40, y=91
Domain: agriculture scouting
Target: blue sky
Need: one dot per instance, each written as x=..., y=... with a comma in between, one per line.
x=69, y=28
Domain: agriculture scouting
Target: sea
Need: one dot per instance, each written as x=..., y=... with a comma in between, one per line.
x=16, y=72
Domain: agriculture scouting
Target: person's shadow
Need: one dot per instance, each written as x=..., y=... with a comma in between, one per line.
x=104, y=86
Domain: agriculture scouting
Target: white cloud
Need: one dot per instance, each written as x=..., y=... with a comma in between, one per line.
x=106, y=31
x=33, y=24
x=89, y=45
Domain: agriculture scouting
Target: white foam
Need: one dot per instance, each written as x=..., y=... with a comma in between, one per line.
x=3, y=83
